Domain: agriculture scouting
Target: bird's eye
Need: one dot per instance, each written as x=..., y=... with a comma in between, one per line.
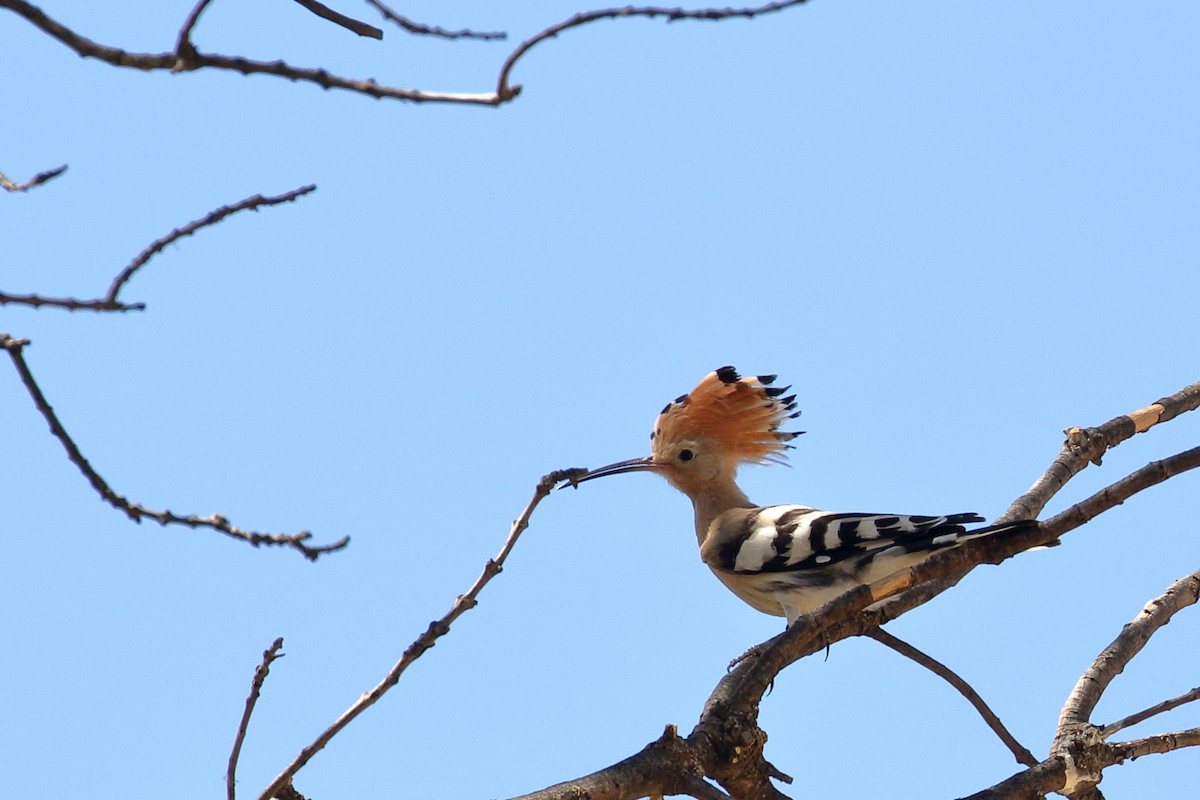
x=686, y=455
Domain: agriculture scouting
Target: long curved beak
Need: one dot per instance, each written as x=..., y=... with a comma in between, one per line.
x=632, y=465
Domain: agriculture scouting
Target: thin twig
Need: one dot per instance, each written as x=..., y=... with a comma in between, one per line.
x=1145, y=714
x=260, y=675
x=110, y=302
x=1019, y=751
x=36, y=180
x=433, y=30
x=211, y=218
x=505, y=92
x=185, y=51
x=426, y=640
x=349, y=23
x=136, y=511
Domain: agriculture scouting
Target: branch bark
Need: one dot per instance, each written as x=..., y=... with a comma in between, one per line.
x=1088, y=445
x=186, y=57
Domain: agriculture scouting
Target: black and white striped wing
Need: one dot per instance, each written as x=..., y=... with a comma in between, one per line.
x=794, y=538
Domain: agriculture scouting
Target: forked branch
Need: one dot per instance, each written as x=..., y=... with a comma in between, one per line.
x=110, y=301
x=1080, y=753
x=186, y=57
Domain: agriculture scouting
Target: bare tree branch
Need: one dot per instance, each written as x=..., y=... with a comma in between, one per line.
x=505, y=92
x=1079, y=755
x=1154, y=710
x=136, y=511
x=432, y=30
x=349, y=23
x=68, y=303
x=1082, y=446
x=36, y=180
x=1053, y=774
x=187, y=58
x=110, y=302
x=1082, y=701
x=1088, y=445
x=260, y=675
x=1028, y=784
x=211, y=218
x=426, y=640
x=1019, y=751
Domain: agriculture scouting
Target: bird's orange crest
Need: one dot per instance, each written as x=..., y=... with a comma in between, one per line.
x=742, y=415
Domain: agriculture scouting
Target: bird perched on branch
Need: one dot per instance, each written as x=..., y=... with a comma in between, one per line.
x=785, y=560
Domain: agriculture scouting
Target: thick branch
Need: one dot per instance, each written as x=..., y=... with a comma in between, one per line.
x=930, y=578
x=136, y=511
x=186, y=58
x=426, y=640
x=1162, y=743
x=1028, y=784
x=667, y=766
x=1113, y=659
x=1079, y=754
x=1088, y=445
x=185, y=51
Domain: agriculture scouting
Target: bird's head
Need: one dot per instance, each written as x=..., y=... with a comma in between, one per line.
x=701, y=437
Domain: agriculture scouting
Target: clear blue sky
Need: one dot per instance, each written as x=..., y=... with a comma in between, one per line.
x=956, y=229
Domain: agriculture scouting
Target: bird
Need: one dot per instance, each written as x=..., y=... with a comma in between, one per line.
x=784, y=560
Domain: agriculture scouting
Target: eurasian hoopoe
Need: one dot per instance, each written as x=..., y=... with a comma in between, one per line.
x=783, y=560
